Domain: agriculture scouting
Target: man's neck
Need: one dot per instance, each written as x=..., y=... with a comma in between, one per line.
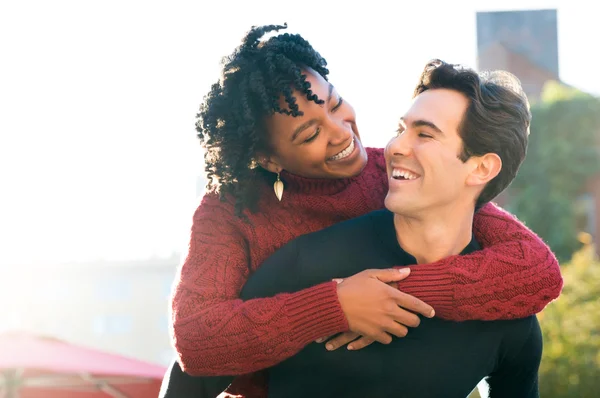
x=436, y=235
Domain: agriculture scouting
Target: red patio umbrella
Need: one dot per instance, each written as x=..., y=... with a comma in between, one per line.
x=41, y=367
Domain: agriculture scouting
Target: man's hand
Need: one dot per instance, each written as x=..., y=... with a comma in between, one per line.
x=376, y=310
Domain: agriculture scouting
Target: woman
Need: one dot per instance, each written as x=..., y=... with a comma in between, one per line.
x=284, y=158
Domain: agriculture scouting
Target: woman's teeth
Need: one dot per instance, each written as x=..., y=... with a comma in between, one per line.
x=345, y=153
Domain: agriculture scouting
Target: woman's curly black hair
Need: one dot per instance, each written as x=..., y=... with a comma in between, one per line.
x=230, y=123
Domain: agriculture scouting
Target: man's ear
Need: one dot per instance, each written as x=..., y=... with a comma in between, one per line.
x=485, y=168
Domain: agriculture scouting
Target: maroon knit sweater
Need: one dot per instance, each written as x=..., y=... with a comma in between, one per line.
x=216, y=333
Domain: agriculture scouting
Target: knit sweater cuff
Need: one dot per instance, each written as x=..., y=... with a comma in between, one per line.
x=433, y=284
x=315, y=312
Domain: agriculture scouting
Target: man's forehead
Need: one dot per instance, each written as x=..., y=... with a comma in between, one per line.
x=438, y=106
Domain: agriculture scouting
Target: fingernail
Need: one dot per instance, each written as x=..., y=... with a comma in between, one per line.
x=405, y=270
x=432, y=314
x=320, y=340
x=350, y=347
x=329, y=347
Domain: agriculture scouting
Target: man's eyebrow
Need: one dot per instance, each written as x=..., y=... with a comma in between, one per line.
x=422, y=123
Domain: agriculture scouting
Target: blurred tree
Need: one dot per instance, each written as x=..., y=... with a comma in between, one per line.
x=562, y=156
x=571, y=328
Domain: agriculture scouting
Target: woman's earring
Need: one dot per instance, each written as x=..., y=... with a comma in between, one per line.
x=278, y=187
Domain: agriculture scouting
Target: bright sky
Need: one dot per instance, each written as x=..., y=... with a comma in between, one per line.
x=98, y=157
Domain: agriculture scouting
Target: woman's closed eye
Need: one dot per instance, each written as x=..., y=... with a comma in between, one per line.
x=318, y=129
x=338, y=105
x=315, y=135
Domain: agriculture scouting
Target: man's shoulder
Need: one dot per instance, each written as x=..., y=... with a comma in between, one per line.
x=344, y=231
x=519, y=331
x=516, y=326
x=518, y=335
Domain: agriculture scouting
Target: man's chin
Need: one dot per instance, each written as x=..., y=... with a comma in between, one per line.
x=393, y=205
x=398, y=205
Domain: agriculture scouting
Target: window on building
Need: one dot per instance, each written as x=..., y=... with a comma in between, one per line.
x=113, y=288
x=163, y=325
x=58, y=289
x=112, y=324
x=166, y=357
x=167, y=285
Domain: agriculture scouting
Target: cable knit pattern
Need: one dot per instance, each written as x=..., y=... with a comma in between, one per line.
x=490, y=284
x=216, y=333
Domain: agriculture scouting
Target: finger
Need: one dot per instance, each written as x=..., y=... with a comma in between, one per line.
x=341, y=340
x=396, y=329
x=360, y=343
x=322, y=339
x=413, y=304
x=390, y=274
x=405, y=317
x=379, y=336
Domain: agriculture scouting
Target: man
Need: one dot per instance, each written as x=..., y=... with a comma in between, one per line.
x=459, y=145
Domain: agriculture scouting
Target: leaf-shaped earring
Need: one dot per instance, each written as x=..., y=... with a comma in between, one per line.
x=278, y=187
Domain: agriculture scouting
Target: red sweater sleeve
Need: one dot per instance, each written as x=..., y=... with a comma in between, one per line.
x=515, y=275
x=215, y=332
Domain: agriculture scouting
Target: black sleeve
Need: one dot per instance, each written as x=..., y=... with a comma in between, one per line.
x=280, y=273
x=517, y=372
x=178, y=384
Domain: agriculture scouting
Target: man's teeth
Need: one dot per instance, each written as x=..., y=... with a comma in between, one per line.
x=345, y=153
x=407, y=175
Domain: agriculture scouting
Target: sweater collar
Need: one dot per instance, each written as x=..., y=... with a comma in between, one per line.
x=318, y=186
x=314, y=186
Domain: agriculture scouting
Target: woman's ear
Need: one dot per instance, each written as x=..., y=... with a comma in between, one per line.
x=269, y=163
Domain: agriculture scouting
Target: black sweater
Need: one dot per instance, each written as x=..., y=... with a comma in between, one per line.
x=437, y=359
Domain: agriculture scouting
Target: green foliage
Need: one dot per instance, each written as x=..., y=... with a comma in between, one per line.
x=562, y=156
x=571, y=328
x=554, y=91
